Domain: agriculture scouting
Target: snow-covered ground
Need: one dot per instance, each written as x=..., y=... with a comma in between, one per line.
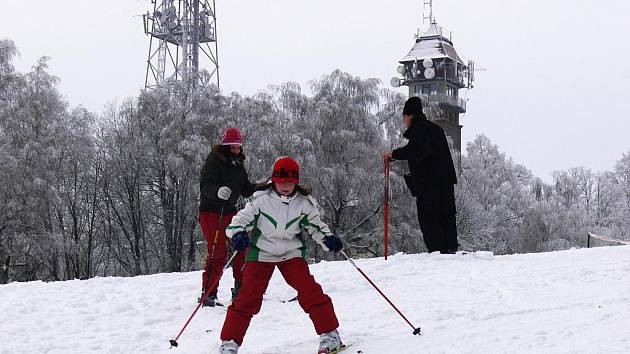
x=574, y=301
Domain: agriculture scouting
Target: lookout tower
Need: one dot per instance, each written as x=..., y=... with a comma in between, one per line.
x=434, y=71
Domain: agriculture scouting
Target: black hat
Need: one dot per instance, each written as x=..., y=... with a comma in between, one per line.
x=413, y=107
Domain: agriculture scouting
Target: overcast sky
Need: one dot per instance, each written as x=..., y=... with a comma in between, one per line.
x=554, y=94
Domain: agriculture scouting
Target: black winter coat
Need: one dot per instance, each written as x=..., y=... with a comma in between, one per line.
x=428, y=154
x=222, y=170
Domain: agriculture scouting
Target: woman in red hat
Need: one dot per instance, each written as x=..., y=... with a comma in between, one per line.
x=223, y=180
x=275, y=218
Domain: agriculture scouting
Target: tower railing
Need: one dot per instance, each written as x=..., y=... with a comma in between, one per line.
x=449, y=100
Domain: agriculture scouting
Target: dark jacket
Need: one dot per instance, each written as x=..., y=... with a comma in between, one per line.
x=428, y=154
x=223, y=170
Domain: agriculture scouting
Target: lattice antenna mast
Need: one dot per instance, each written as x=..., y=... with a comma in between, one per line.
x=182, y=42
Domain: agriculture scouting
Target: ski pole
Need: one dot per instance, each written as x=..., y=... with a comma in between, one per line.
x=214, y=246
x=386, y=209
x=416, y=331
x=205, y=296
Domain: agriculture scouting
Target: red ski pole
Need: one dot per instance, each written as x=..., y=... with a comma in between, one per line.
x=416, y=330
x=205, y=296
x=386, y=209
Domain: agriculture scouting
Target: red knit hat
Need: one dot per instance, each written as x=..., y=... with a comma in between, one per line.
x=232, y=136
x=286, y=170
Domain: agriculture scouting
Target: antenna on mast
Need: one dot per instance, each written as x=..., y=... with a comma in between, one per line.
x=427, y=13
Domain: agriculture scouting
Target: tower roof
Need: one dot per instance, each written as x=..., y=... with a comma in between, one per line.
x=433, y=45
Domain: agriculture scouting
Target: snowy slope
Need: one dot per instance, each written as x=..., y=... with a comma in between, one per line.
x=575, y=301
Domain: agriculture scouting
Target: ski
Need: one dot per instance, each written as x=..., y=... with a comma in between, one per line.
x=338, y=350
x=290, y=300
x=216, y=303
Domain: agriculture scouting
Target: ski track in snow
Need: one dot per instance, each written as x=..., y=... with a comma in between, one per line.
x=575, y=301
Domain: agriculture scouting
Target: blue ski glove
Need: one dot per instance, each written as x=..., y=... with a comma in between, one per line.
x=240, y=241
x=333, y=243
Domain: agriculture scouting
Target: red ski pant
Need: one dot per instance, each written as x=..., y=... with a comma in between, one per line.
x=214, y=265
x=295, y=271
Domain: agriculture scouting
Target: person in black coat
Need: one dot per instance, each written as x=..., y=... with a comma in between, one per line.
x=223, y=180
x=432, y=177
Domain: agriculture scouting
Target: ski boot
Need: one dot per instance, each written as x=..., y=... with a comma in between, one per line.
x=237, y=287
x=210, y=301
x=330, y=343
x=228, y=347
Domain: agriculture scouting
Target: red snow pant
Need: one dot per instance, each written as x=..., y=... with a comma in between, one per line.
x=256, y=278
x=213, y=270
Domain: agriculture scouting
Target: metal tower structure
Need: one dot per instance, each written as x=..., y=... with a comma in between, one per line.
x=434, y=70
x=182, y=41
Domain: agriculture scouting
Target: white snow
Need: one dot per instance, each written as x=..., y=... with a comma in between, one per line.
x=428, y=48
x=575, y=301
x=432, y=48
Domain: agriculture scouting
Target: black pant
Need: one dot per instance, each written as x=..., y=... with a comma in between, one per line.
x=436, y=214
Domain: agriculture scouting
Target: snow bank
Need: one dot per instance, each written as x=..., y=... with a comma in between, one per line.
x=559, y=302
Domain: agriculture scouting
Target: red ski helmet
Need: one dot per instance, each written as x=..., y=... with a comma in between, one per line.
x=286, y=170
x=232, y=136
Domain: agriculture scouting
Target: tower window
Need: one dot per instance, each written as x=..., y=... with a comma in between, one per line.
x=451, y=91
x=429, y=89
x=452, y=116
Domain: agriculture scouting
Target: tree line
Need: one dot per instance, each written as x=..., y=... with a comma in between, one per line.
x=115, y=193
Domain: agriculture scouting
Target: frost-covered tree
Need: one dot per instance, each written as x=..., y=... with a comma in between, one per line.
x=493, y=197
x=622, y=176
x=33, y=116
x=84, y=195
x=9, y=171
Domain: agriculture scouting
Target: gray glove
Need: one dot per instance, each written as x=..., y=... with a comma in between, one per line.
x=224, y=193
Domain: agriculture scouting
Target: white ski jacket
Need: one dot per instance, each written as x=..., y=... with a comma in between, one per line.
x=275, y=224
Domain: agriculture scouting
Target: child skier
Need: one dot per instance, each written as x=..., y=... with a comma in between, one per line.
x=275, y=218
